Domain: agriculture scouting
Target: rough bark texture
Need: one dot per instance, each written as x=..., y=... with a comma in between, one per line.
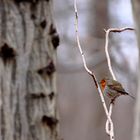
x=28, y=40
x=136, y=11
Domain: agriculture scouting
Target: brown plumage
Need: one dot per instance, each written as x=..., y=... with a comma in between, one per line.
x=113, y=89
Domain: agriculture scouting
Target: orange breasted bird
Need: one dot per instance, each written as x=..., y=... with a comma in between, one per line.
x=113, y=89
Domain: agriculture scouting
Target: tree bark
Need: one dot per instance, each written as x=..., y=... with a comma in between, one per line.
x=136, y=12
x=28, y=42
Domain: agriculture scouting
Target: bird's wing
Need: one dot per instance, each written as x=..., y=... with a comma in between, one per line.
x=118, y=87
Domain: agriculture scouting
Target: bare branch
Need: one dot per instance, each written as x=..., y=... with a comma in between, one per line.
x=107, y=122
x=111, y=132
x=115, y=30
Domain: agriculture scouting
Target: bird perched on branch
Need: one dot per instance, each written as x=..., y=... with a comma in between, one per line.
x=113, y=89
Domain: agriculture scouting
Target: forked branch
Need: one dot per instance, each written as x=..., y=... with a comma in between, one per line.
x=91, y=73
x=115, y=30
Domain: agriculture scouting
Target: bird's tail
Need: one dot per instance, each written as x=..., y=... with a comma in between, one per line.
x=131, y=96
x=125, y=93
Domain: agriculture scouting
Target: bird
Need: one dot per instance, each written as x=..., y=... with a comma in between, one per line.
x=113, y=89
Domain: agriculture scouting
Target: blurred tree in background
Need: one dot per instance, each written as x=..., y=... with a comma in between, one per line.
x=136, y=11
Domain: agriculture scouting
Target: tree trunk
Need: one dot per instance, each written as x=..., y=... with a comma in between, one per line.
x=28, y=40
x=136, y=11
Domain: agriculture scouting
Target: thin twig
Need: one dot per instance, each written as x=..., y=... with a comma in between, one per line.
x=111, y=133
x=115, y=30
x=107, y=122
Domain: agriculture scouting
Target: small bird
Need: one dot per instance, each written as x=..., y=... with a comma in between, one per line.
x=113, y=89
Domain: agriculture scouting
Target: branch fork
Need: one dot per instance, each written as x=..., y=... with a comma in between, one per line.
x=109, y=123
